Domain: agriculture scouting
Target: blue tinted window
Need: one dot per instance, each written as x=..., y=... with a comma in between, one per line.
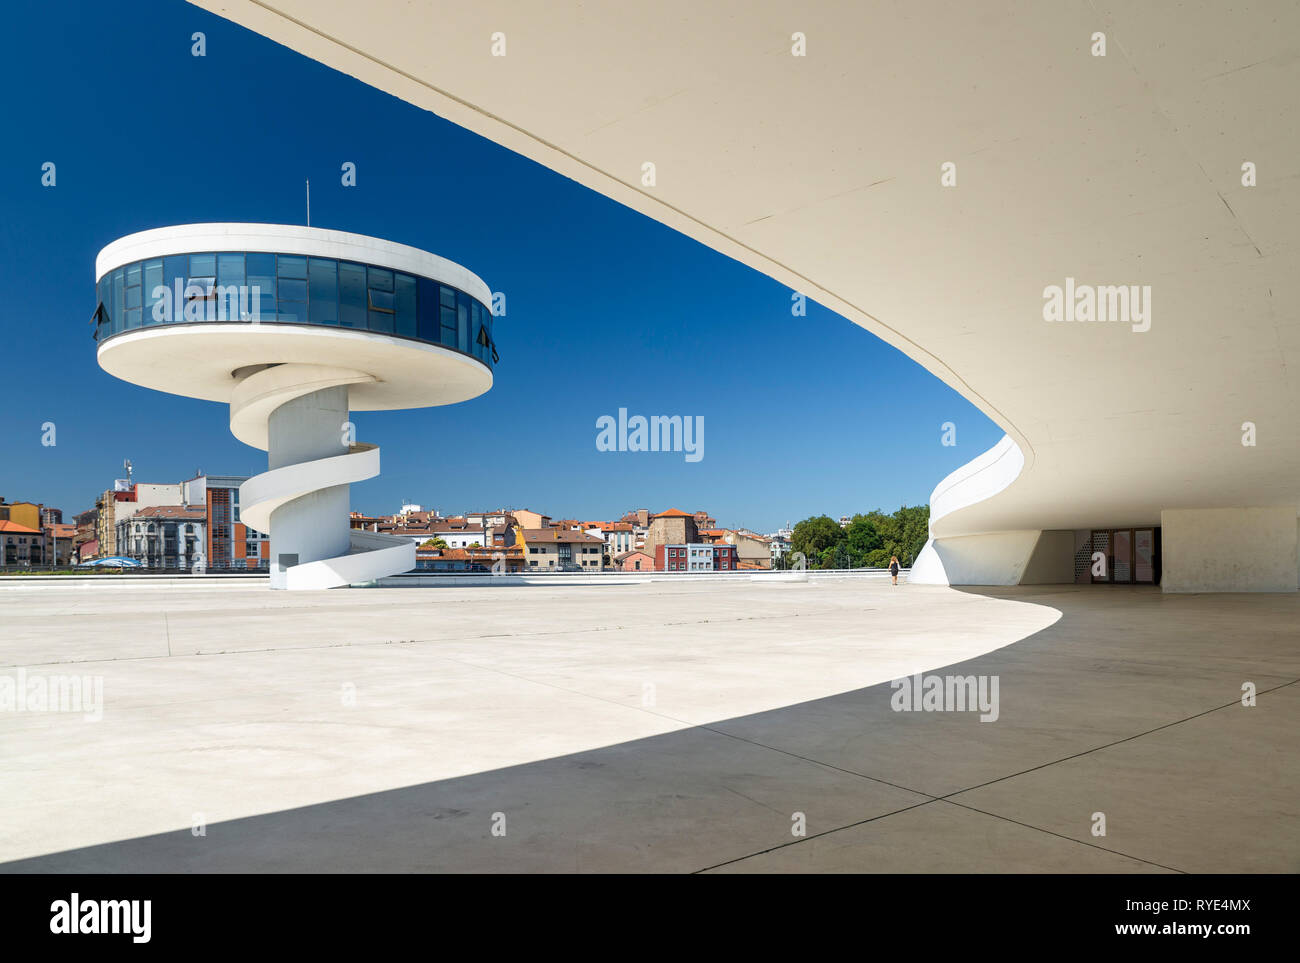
x=449, y=320
x=404, y=319
x=175, y=268
x=324, y=290
x=260, y=264
x=295, y=289
x=119, y=295
x=153, y=279
x=380, y=320
x=291, y=312
x=230, y=269
x=289, y=289
x=352, y=295
x=462, y=321
x=427, y=329
x=475, y=322
x=380, y=300
x=260, y=278
x=291, y=266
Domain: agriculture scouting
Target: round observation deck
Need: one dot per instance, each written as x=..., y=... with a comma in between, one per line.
x=190, y=309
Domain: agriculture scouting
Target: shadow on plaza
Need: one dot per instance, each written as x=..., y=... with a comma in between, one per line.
x=709, y=795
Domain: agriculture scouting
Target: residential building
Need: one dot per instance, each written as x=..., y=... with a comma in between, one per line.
x=634, y=561
x=470, y=559
x=639, y=517
x=725, y=558
x=779, y=544
x=364, y=523
x=496, y=519
x=122, y=501
x=230, y=544
x=563, y=550
x=619, y=537
x=705, y=520
x=86, y=526
x=672, y=527
x=164, y=536
x=22, y=545
x=26, y=514
x=531, y=520
x=754, y=550
x=457, y=532
x=698, y=557
x=60, y=540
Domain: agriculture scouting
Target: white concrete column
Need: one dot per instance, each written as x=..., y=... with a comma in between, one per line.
x=1229, y=550
x=313, y=526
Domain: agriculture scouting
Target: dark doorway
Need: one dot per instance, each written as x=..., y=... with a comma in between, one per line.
x=1132, y=555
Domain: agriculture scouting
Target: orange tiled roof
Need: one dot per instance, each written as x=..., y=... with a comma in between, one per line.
x=15, y=529
x=171, y=511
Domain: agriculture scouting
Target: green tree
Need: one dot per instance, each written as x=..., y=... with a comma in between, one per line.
x=861, y=538
x=813, y=536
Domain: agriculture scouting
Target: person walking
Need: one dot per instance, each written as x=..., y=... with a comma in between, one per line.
x=893, y=568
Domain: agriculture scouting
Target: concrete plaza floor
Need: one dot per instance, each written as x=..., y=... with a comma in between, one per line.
x=668, y=726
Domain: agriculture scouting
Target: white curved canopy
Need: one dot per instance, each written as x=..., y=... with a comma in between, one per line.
x=824, y=170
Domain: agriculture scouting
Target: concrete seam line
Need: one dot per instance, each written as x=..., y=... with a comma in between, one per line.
x=1049, y=832
x=1117, y=742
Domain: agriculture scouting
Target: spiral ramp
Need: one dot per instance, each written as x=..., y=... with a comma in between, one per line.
x=298, y=414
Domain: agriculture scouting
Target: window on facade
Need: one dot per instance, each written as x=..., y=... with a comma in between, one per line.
x=352, y=295
x=404, y=305
x=260, y=278
x=323, y=290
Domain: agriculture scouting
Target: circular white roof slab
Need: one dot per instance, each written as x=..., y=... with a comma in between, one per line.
x=198, y=360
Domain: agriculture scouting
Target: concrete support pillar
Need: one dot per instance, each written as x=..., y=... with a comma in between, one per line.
x=313, y=526
x=1229, y=550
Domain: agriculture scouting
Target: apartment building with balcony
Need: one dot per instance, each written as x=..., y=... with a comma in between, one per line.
x=562, y=550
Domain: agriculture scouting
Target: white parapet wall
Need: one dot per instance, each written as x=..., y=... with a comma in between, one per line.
x=998, y=558
x=1229, y=550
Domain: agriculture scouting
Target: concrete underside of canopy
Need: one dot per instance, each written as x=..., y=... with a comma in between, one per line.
x=823, y=171
x=207, y=360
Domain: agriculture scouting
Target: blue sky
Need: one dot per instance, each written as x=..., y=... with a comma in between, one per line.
x=802, y=415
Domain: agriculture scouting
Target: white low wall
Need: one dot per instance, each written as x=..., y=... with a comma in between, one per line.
x=998, y=558
x=1229, y=550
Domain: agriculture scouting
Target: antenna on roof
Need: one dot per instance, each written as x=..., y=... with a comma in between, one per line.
x=309, y=202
